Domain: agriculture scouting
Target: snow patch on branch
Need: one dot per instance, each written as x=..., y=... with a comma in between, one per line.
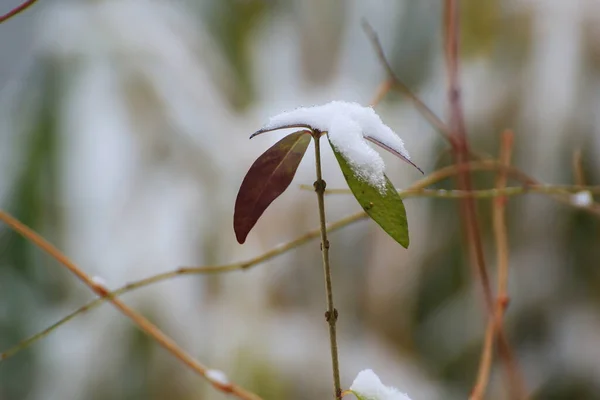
x=582, y=199
x=218, y=376
x=98, y=280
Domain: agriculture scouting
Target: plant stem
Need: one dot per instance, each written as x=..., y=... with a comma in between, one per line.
x=331, y=315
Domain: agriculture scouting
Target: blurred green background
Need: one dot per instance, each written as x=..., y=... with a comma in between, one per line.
x=123, y=140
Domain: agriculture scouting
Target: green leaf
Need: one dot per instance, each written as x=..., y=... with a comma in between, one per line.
x=387, y=209
x=266, y=180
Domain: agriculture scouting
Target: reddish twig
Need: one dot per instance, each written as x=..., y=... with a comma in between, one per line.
x=495, y=322
x=17, y=10
x=393, y=82
x=460, y=150
x=382, y=91
x=460, y=145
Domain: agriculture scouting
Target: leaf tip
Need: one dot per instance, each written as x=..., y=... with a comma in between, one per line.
x=240, y=239
x=306, y=129
x=413, y=164
x=240, y=233
x=258, y=132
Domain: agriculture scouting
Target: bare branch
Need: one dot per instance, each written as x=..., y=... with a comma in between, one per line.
x=17, y=10
x=495, y=322
x=393, y=82
x=144, y=324
x=461, y=153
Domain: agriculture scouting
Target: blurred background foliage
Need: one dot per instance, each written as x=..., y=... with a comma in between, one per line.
x=123, y=140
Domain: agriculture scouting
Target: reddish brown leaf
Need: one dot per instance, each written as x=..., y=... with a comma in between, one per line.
x=267, y=178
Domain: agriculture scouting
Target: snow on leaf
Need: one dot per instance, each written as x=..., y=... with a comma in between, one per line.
x=346, y=138
x=348, y=125
x=267, y=178
x=384, y=207
x=368, y=386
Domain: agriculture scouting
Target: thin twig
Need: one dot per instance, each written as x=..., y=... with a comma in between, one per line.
x=394, y=82
x=478, y=194
x=558, y=192
x=144, y=324
x=499, y=216
x=331, y=315
x=460, y=145
x=500, y=236
x=485, y=362
x=561, y=193
x=578, y=173
x=17, y=10
x=382, y=91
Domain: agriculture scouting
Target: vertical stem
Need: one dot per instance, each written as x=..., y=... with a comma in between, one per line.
x=460, y=147
x=578, y=173
x=495, y=321
x=331, y=314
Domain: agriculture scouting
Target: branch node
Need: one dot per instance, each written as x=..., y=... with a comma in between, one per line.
x=504, y=302
x=320, y=186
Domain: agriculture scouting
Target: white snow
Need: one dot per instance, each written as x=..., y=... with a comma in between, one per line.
x=348, y=125
x=346, y=136
x=368, y=385
x=98, y=280
x=217, y=376
x=582, y=199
